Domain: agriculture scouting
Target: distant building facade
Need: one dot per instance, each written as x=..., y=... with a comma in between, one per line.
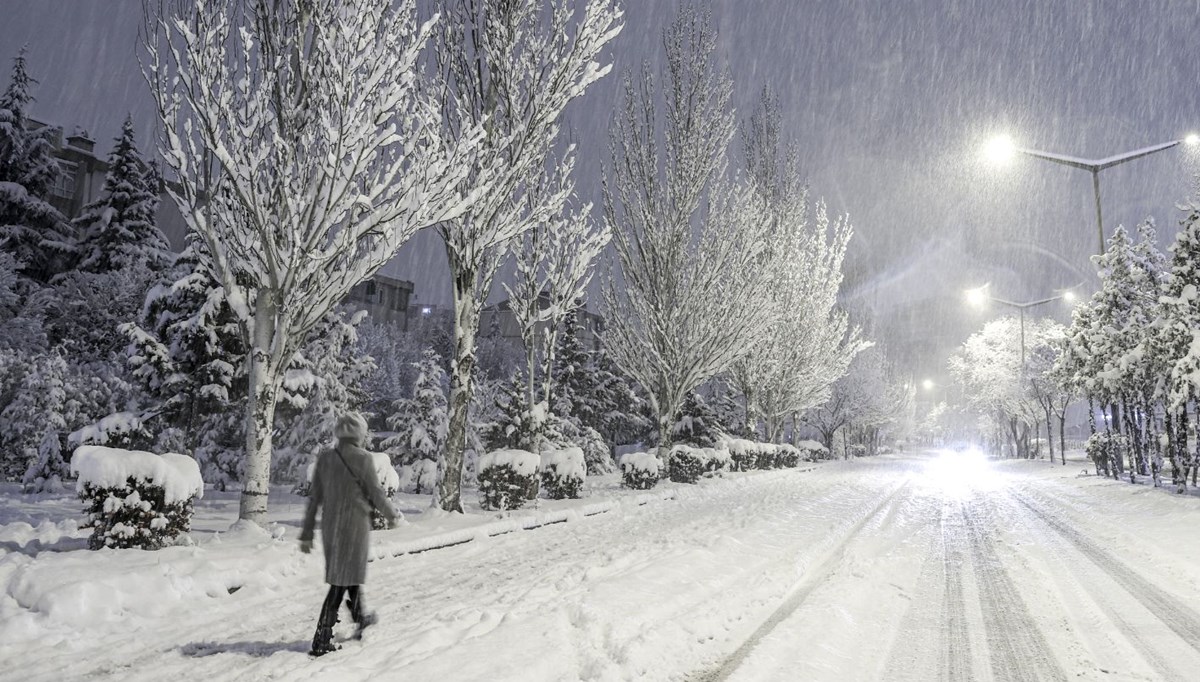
x=386, y=299
x=590, y=325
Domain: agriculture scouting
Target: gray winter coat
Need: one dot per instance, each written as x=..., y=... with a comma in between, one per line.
x=346, y=518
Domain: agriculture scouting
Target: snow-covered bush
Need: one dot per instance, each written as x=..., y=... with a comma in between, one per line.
x=812, y=451
x=640, y=470
x=134, y=498
x=389, y=480
x=765, y=456
x=788, y=456
x=743, y=453
x=506, y=478
x=419, y=478
x=857, y=450
x=562, y=473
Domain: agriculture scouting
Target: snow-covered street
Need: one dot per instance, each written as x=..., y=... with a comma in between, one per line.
x=904, y=567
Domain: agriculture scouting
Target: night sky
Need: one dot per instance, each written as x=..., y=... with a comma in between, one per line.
x=889, y=103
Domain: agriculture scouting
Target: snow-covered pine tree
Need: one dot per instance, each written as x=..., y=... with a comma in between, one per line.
x=513, y=66
x=420, y=421
x=326, y=380
x=690, y=297
x=117, y=230
x=576, y=389
x=1177, y=333
x=187, y=354
x=334, y=161
x=32, y=230
x=37, y=409
x=696, y=423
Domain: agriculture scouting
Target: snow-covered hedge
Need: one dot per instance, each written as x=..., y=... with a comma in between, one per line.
x=134, y=498
x=788, y=456
x=562, y=473
x=743, y=453
x=687, y=464
x=813, y=451
x=419, y=478
x=506, y=478
x=640, y=470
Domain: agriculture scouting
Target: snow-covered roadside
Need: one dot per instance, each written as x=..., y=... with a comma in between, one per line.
x=50, y=582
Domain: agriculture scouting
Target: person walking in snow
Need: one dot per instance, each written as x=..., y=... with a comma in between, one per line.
x=345, y=488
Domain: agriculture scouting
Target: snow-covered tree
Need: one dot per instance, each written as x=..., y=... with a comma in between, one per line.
x=117, y=230
x=327, y=379
x=23, y=312
x=554, y=268
x=1176, y=340
x=809, y=343
x=420, y=422
x=32, y=230
x=690, y=296
x=511, y=66
x=307, y=151
x=996, y=385
x=38, y=409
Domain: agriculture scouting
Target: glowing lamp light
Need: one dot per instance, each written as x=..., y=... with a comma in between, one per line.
x=1000, y=150
x=1069, y=297
x=927, y=384
x=1192, y=140
x=976, y=297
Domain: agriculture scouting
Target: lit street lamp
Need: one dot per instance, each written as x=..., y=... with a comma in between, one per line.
x=1002, y=149
x=979, y=296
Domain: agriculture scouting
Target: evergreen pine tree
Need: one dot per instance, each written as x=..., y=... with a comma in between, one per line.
x=420, y=421
x=326, y=381
x=117, y=230
x=37, y=410
x=696, y=423
x=32, y=230
x=575, y=387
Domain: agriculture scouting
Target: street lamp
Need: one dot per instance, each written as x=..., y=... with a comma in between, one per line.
x=979, y=295
x=1001, y=149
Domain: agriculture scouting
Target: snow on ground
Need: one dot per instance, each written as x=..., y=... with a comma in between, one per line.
x=904, y=567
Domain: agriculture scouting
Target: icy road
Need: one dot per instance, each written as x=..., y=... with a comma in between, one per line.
x=918, y=567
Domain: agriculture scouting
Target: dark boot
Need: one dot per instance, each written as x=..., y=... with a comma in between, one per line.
x=323, y=638
x=363, y=618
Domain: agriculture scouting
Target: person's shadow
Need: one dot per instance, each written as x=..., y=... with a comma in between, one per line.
x=255, y=649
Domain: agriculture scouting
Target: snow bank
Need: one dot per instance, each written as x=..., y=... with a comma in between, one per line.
x=523, y=462
x=177, y=475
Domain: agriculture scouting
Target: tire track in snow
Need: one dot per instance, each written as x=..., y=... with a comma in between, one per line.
x=956, y=649
x=832, y=558
x=1019, y=652
x=1181, y=619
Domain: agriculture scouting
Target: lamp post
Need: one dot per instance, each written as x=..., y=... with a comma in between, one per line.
x=1002, y=148
x=978, y=296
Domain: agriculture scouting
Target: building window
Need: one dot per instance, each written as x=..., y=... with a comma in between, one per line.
x=64, y=184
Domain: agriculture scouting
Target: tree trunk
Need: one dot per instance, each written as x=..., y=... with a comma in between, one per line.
x=1049, y=431
x=1062, y=436
x=263, y=372
x=466, y=325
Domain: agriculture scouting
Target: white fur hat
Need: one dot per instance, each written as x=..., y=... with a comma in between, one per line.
x=352, y=427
